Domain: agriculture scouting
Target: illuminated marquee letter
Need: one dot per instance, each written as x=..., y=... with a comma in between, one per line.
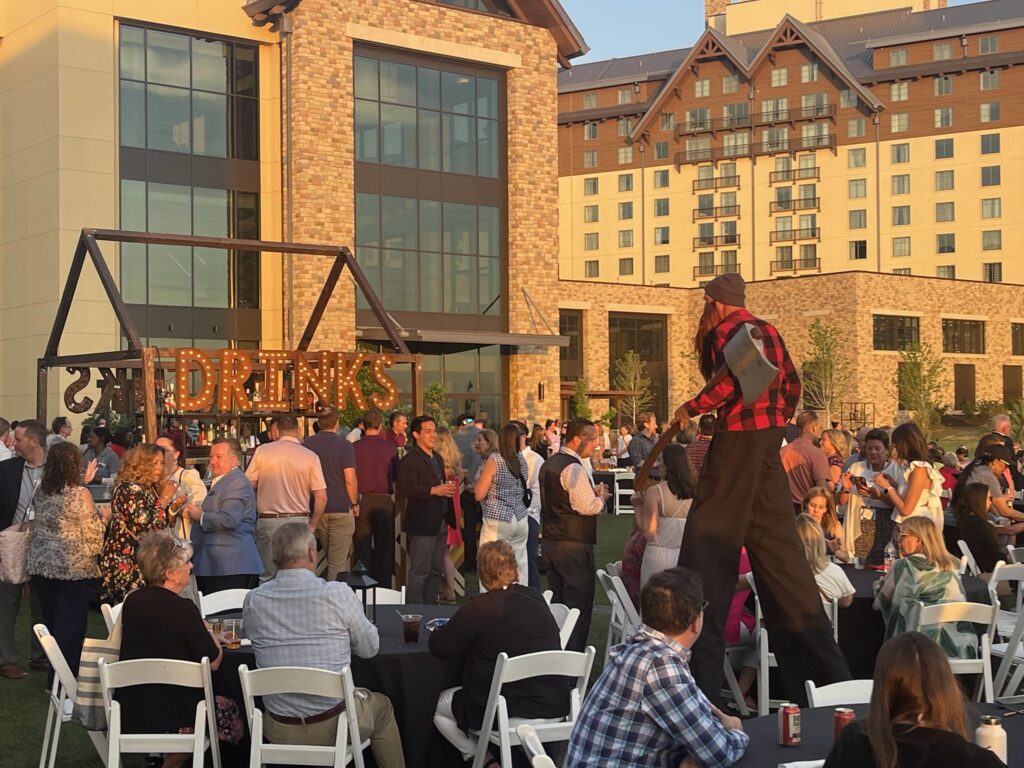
x=235, y=368
x=346, y=385
x=270, y=397
x=389, y=399
x=74, y=388
x=185, y=359
x=308, y=379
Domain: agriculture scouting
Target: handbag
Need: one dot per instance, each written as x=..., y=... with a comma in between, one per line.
x=89, y=710
x=14, y=542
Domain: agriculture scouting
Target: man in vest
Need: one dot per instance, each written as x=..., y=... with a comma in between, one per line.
x=569, y=505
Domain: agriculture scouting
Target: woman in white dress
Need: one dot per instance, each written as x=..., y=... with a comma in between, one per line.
x=663, y=516
x=918, y=488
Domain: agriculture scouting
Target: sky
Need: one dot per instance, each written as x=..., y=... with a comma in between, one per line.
x=616, y=28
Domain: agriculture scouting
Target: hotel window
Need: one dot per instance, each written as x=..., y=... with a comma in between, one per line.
x=591, y=241
x=992, y=272
x=990, y=143
x=899, y=122
x=661, y=206
x=661, y=235
x=590, y=214
x=668, y=121
x=991, y=176
x=698, y=119
x=988, y=44
x=730, y=83
x=900, y=215
x=943, y=149
x=780, y=77
x=784, y=256
x=858, y=249
x=808, y=256
x=857, y=188
x=736, y=144
x=626, y=238
x=625, y=95
x=623, y=126
x=1017, y=338
x=591, y=269
x=992, y=208
x=901, y=184
x=899, y=91
x=706, y=263
x=900, y=246
x=625, y=211
x=784, y=224
x=905, y=271
x=662, y=263
x=625, y=155
x=736, y=115
x=814, y=104
x=625, y=182
x=589, y=131
x=775, y=109
x=891, y=333
x=989, y=80
x=945, y=243
x=660, y=179
x=847, y=98
x=945, y=212
x=775, y=139
x=992, y=240
x=729, y=261
x=590, y=185
x=858, y=219
x=727, y=204
x=898, y=57
x=946, y=272
x=943, y=85
x=590, y=101
x=702, y=87
x=857, y=158
x=944, y=117
x=570, y=325
x=943, y=180
x=661, y=150
x=989, y=111
x=963, y=336
x=855, y=128
x=590, y=158
x=942, y=51
x=809, y=72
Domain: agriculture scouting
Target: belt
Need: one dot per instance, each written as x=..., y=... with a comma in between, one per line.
x=311, y=719
x=273, y=515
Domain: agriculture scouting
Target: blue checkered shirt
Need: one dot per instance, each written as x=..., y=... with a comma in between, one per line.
x=645, y=709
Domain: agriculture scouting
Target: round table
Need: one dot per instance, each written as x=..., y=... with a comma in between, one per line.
x=861, y=629
x=816, y=735
x=407, y=673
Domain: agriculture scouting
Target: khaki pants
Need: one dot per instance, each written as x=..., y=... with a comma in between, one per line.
x=265, y=527
x=376, y=722
x=335, y=531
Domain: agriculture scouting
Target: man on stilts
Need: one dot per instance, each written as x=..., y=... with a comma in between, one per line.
x=743, y=499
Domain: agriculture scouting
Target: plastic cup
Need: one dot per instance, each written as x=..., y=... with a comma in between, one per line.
x=232, y=633
x=411, y=627
x=858, y=564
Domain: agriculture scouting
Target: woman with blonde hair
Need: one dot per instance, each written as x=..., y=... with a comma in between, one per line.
x=927, y=574
x=836, y=445
x=452, y=458
x=832, y=580
x=485, y=443
x=818, y=503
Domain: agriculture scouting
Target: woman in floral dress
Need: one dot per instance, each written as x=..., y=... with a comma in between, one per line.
x=139, y=504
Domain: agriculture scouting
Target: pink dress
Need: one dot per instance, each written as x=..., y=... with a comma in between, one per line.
x=455, y=534
x=737, y=614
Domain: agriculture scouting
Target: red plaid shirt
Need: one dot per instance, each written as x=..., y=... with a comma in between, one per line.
x=777, y=403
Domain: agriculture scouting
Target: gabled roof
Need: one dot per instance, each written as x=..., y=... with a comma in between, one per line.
x=552, y=16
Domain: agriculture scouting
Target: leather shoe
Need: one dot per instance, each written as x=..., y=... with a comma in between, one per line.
x=13, y=672
x=39, y=665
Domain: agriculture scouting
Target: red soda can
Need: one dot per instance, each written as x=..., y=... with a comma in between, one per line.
x=789, y=725
x=841, y=717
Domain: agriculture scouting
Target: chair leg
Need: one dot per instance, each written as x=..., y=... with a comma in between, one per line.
x=734, y=687
x=44, y=753
x=58, y=721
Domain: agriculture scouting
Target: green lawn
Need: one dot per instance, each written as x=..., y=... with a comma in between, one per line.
x=24, y=702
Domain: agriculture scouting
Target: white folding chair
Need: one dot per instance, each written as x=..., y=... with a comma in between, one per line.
x=1005, y=620
x=499, y=728
x=548, y=595
x=1016, y=554
x=972, y=564
x=308, y=681
x=529, y=741
x=632, y=615
x=614, y=569
x=62, y=696
x=839, y=694
x=832, y=611
x=385, y=596
x=565, y=618
x=188, y=674
x=110, y=614
x=975, y=613
x=1011, y=654
x=732, y=684
x=964, y=565
x=225, y=600
x=616, y=616
x=542, y=761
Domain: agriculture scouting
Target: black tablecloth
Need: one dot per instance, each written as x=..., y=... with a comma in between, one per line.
x=861, y=630
x=816, y=736
x=408, y=674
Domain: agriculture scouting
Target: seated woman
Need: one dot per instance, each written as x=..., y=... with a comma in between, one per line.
x=508, y=618
x=927, y=574
x=663, y=516
x=159, y=624
x=977, y=530
x=916, y=717
x=818, y=503
x=831, y=579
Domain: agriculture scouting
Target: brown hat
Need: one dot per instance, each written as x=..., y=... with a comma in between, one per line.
x=727, y=289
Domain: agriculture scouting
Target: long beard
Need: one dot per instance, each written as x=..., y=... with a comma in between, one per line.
x=709, y=319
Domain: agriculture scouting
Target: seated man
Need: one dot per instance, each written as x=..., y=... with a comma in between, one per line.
x=299, y=620
x=645, y=708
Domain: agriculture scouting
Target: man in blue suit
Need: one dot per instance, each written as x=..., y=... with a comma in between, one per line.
x=224, y=528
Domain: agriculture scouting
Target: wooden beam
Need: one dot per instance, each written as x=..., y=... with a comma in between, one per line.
x=321, y=303
x=125, y=359
x=223, y=243
x=374, y=301
x=42, y=379
x=149, y=394
x=113, y=294
x=64, y=308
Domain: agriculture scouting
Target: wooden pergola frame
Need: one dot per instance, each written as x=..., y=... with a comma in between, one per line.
x=145, y=358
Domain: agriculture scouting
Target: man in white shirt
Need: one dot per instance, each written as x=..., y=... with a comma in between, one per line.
x=60, y=429
x=533, y=465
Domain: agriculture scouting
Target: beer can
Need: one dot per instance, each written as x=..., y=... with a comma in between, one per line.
x=789, y=725
x=841, y=717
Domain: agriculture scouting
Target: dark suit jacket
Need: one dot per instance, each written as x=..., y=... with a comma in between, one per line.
x=10, y=489
x=417, y=474
x=225, y=542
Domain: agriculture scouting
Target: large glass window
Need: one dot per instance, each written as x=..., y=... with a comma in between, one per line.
x=570, y=324
x=896, y=332
x=967, y=336
x=647, y=335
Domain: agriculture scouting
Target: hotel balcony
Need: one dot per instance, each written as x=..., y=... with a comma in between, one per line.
x=792, y=235
x=711, y=270
x=716, y=241
x=795, y=265
x=800, y=204
x=721, y=211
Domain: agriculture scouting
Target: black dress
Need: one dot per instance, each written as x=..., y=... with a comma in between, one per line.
x=981, y=540
x=915, y=748
x=517, y=621
x=158, y=624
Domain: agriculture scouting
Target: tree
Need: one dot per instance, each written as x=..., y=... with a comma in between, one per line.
x=919, y=383
x=580, y=403
x=435, y=403
x=631, y=376
x=827, y=370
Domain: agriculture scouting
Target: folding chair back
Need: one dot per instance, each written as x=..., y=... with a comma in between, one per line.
x=972, y=564
x=614, y=569
x=1016, y=554
x=566, y=618
x=110, y=614
x=548, y=595
x=1011, y=654
x=616, y=616
x=314, y=682
x=631, y=614
x=839, y=694
x=225, y=600
x=387, y=596
x=832, y=611
x=975, y=613
x=1005, y=573
x=529, y=741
